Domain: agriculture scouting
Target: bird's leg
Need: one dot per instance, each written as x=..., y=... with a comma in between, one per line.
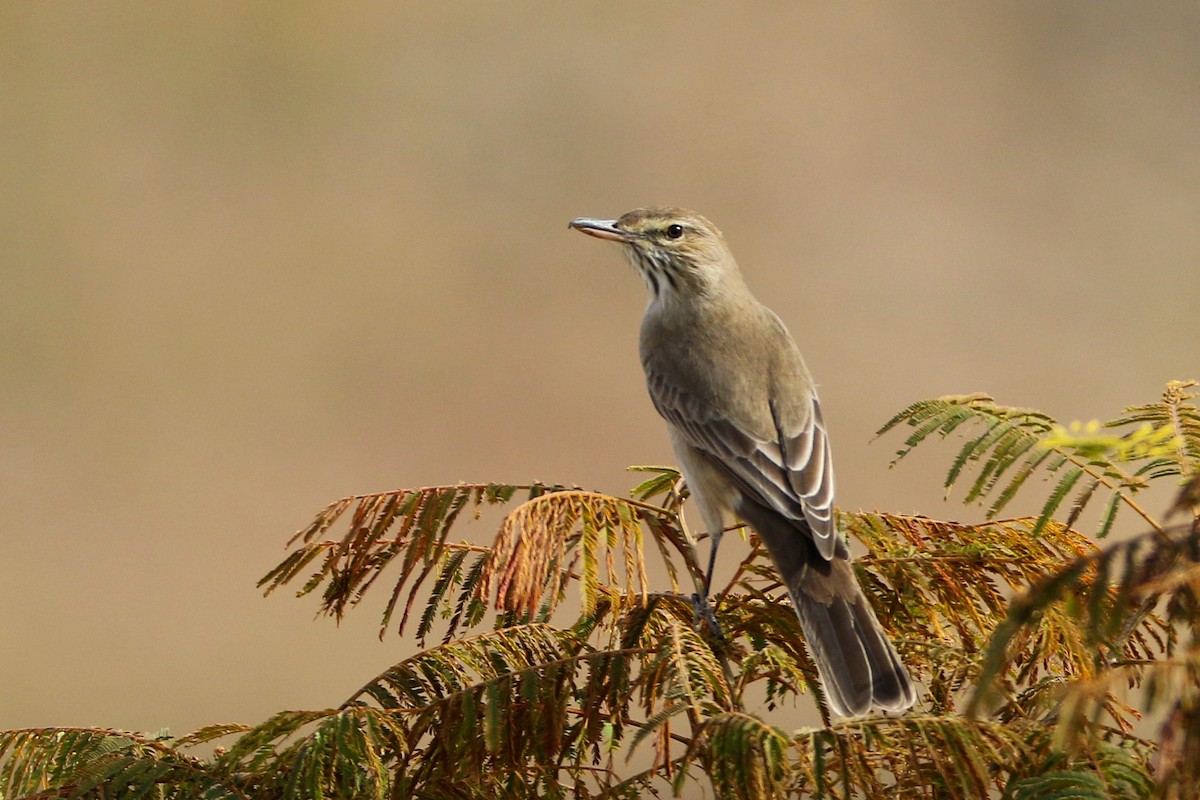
x=712, y=561
x=704, y=611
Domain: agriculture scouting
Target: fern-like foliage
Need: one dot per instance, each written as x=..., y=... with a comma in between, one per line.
x=1006, y=446
x=408, y=526
x=566, y=669
x=1109, y=772
x=555, y=535
x=948, y=585
x=1112, y=595
x=102, y=763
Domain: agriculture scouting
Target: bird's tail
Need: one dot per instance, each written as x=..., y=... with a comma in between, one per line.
x=858, y=665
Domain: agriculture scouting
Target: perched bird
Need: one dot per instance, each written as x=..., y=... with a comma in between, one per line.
x=745, y=424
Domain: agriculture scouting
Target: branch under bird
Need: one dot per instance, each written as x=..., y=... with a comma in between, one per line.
x=746, y=426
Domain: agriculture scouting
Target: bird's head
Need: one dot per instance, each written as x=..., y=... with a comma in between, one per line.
x=677, y=252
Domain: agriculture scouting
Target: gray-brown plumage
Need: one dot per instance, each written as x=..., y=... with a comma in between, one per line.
x=744, y=420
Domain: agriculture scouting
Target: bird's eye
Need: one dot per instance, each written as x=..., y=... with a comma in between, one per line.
x=674, y=231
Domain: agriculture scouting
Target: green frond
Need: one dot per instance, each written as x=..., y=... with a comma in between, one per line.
x=1081, y=500
x=1174, y=413
x=945, y=414
x=1066, y=644
x=210, y=733
x=450, y=573
x=1059, y=785
x=1109, y=771
x=503, y=700
x=663, y=482
x=948, y=582
x=656, y=723
x=1106, y=598
x=976, y=448
x=683, y=667
x=1009, y=435
x=334, y=753
x=37, y=759
x=94, y=762
x=445, y=670
x=1124, y=771
x=1013, y=444
x=749, y=758
x=471, y=605
x=780, y=669
x=448, y=568
x=1061, y=489
x=907, y=757
x=255, y=750
x=1032, y=458
x=681, y=675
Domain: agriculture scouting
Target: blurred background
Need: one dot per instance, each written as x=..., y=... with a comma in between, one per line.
x=256, y=257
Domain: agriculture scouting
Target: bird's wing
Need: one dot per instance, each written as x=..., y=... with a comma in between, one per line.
x=789, y=471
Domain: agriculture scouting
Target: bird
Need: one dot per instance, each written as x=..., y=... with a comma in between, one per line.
x=746, y=426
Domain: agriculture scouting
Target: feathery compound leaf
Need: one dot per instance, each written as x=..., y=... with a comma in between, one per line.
x=749, y=757
x=685, y=667
x=906, y=756
x=94, y=762
x=1109, y=772
x=1124, y=770
x=537, y=537
x=948, y=581
x=682, y=676
x=942, y=416
x=502, y=701
x=556, y=699
x=662, y=481
x=534, y=556
x=1015, y=443
x=39, y=759
x=436, y=673
x=1059, y=785
x=407, y=528
x=1177, y=417
x=1109, y=595
x=1008, y=433
x=450, y=573
x=346, y=752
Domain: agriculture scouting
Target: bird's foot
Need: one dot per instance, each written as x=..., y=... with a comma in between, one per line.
x=704, y=616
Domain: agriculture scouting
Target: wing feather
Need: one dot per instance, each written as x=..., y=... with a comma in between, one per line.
x=791, y=471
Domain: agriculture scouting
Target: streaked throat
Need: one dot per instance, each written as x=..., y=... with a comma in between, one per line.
x=657, y=272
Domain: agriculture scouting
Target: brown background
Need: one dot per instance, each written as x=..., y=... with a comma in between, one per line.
x=259, y=256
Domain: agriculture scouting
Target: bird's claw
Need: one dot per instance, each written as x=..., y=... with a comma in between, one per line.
x=704, y=616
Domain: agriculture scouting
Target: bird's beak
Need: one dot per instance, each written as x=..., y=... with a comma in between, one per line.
x=601, y=229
